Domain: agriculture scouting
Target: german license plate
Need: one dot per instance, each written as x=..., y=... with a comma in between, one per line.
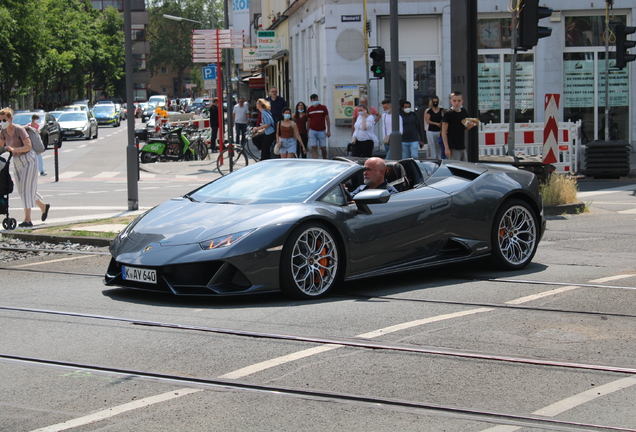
x=68, y=132
x=139, y=274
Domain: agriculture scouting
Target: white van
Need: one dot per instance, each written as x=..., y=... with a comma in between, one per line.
x=158, y=101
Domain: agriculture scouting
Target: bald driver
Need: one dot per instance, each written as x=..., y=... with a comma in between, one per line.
x=374, y=177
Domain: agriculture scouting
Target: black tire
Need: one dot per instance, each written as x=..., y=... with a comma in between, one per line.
x=96, y=132
x=515, y=235
x=310, y=265
x=240, y=161
x=200, y=149
x=147, y=157
x=9, y=223
x=45, y=141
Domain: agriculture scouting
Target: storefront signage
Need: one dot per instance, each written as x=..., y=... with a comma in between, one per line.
x=267, y=45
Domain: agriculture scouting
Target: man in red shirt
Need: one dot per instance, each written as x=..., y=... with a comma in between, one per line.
x=319, y=127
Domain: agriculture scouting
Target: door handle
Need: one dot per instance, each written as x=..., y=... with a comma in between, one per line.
x=439, y=204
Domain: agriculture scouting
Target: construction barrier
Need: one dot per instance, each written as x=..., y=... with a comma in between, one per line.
x=493, y=140
x=198, y=123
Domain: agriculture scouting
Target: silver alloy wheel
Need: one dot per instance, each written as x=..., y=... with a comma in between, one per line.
x=314, y=261
x=517, y=235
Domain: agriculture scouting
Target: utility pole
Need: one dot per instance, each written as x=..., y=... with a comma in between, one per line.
x=464, y=67
x=395, y=139
x=132, y=153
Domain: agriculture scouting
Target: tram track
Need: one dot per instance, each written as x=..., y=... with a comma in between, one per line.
x=375, y=402
x=349, y=342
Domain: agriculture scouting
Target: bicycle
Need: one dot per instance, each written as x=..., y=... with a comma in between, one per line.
x=197, y=143
x=241, y=155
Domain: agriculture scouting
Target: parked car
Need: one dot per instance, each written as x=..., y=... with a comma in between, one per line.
x=50, y=129
x=74, y=108
x=107, y=114
x=149, y=110
x=199, y=104
x=291, y=225
x=78, y=124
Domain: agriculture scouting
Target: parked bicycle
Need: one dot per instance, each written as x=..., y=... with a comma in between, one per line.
x=197, y=142
x=236, y=156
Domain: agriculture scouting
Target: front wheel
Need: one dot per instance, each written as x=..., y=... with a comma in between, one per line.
x=223, y=162
x=200, y=149
x=515, y=235
x=310, y=262
x=147, y=157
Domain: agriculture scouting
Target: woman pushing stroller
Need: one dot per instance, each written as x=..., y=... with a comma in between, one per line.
x=14, y=138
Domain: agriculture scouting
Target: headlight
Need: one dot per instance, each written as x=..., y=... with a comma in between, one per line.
x=224, y=241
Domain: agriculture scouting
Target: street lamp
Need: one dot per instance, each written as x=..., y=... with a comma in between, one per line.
x=176, y=18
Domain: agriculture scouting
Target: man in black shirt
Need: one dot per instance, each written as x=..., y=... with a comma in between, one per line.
x=277, y=103
x=453, y=127
x=214, y=123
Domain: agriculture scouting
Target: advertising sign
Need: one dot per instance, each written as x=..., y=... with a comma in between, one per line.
x=345, y=99
x=266, y=44
x=250, y=59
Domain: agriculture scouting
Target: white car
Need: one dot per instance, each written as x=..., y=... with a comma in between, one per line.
x=78, y=124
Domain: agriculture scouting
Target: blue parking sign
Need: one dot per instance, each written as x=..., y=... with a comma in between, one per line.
x=209, y=72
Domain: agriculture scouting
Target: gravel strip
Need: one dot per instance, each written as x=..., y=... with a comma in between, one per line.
x=7, y=256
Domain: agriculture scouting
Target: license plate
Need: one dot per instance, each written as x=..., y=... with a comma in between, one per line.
x=69, y=132
x=139, y=274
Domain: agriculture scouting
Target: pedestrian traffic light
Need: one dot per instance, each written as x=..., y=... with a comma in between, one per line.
x=529, y=30
x=622, y=45
x=379, y=62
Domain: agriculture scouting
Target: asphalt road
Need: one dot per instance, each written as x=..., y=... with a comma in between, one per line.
x=454, y=349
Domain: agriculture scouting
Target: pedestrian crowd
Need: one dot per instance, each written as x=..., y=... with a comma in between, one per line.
x=303, y=130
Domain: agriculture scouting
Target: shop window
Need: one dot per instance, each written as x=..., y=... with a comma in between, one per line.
x=581, y=31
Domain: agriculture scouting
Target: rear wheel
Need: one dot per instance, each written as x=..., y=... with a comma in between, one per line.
x=514, y=236
x=223, y=161
x=200, y=149
x=310, y=262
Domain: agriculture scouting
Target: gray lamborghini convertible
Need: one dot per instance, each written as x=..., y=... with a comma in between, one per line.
x=288, y=224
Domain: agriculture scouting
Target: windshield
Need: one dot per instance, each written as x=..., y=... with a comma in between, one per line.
x=273, y=182
x=56, y=114
x=109, y=109
x=72, y=116
x=23, y=119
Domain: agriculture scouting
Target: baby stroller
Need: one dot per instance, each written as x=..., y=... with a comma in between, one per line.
x=6, y=187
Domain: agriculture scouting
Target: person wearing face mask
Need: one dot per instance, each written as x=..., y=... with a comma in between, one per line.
x=319, y=127
x=387, y=126
x=300, y=118
x=35, y=124
x=14, y=138
x=364, y=100
x=287, y=136
x=433, y=118
x=413, y=135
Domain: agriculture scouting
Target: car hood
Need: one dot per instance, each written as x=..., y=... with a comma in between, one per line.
x=104, y=114
x=73, y=124
x=181, y=221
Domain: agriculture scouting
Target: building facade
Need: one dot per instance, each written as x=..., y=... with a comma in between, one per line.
x=327, y=44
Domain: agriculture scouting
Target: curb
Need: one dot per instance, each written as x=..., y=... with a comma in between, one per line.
x=92, y=241
x=556, y=210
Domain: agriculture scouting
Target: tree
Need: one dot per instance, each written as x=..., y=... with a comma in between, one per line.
x=170, y=41
x=108, y=66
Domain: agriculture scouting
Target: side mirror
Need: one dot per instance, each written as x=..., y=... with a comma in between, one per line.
x=370, y=196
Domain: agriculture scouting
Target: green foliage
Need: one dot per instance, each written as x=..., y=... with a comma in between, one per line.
x=58, y=47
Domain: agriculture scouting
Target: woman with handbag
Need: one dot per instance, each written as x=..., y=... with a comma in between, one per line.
x=14, y=138
x=300, y=118
x=266, y=126
x=287, y=136
x=363, y=138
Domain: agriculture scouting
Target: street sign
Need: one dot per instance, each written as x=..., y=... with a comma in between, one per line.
x=209, y=72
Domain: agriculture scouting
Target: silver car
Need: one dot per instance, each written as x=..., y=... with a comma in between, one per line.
x=78, y=124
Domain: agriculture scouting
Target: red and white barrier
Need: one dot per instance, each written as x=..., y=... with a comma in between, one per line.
x=529, y=140
x=199, y=124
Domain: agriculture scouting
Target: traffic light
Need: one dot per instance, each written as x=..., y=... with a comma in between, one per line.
x=529, y=30
x=622, y=45
x=379, y=62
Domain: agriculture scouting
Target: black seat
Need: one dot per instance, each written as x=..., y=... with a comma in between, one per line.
x=395, y=175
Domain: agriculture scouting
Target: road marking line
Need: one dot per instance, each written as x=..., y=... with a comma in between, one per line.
x=611, y=278
x=258, y=367
x=572, y=402
x=587, y=396
x=416, y=323
x=111, y=412
x=631, y=211
x=541, y=295
x=107, y=174
x=70, y=174
x=52, y=261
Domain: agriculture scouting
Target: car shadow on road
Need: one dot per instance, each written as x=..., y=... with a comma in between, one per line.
x=377, y=286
